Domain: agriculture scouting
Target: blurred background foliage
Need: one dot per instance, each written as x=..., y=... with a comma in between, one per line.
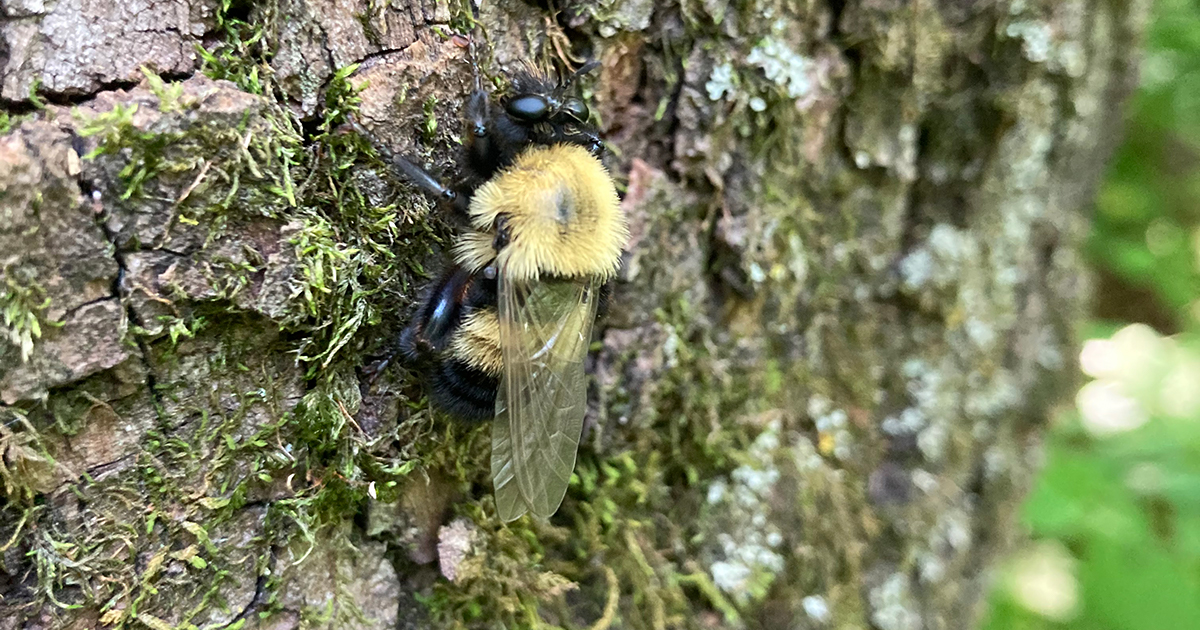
x=1114, y=522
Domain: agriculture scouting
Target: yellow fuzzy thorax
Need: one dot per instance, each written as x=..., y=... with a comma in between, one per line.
x=477, y=342
x=563, y=217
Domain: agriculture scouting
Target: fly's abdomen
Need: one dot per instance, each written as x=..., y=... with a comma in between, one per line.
x=463, y=391
x=476, y=342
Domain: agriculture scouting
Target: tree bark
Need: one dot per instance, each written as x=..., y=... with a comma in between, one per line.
x=844, y=319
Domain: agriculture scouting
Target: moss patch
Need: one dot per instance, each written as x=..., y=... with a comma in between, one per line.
x=22, y=305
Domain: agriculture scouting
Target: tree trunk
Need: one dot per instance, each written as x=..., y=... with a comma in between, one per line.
x=845, y=316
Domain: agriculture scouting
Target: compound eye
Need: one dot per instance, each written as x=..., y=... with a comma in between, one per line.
x=576, y=109
x=528, y=108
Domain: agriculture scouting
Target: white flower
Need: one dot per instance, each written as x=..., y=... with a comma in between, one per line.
x=1107, y=410
x=1180, y=394
x=1043, y=581
x=1100, y=358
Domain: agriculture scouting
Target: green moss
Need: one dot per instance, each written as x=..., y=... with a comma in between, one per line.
x=247, y=166
x=429, y=128
x=170, y=95
x=118, y=132
x=356, y=259
x=622, y=561
x=501, y=582
x=209, y=453
x=352, y=254
x=26, y=468
x=462, y=16
x=195, y=474
x=9, y=121
x=242, y=55
x=23, y=303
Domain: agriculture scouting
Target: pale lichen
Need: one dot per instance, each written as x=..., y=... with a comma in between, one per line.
x=783, y=66
x=1036, y=39
x=748, y=548
x=816, y=608
x=893, y=606
x=949, y=539
x=831, y=423
x=720, y=82
x=615, y=16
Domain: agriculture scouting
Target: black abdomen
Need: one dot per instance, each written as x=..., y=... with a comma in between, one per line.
x=454, y=387
x=463, y=391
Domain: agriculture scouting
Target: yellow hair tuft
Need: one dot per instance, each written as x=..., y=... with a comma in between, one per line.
x=562, y=214
x=477, y=342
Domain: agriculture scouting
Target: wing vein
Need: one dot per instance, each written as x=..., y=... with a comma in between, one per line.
x=544, y=332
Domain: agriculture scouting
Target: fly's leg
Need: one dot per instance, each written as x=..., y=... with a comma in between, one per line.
x=479, y=142
x=416, y=175
x=442, y=308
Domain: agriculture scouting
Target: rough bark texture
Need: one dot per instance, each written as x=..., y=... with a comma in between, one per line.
x=844, y=318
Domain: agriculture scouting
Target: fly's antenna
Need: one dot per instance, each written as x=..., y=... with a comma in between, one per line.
x=478, y=43
x=584, y=69
x=474, y=60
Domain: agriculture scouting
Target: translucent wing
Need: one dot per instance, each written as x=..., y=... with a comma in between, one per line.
x=545, y=329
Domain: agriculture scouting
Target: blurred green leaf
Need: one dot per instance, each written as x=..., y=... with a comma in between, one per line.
x=1127, y=506
x=1076, y=496
x=1155, y=177
x=1147, y=588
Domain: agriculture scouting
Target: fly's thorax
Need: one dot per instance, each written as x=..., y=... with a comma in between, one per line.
x=475, y=250
x=554, y=212
x=476, y=342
